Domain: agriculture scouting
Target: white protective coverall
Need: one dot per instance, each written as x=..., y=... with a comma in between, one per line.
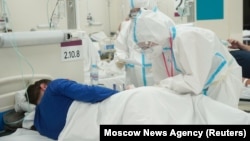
x=201, y=62
x=125, y=47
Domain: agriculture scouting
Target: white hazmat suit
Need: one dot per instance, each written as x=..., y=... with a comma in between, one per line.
x=136, y=65
x=201, y=62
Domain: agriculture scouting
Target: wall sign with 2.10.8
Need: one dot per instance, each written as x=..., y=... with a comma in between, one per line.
x=71, y=54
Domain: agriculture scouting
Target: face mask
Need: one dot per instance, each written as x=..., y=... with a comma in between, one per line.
x=153, y=52
x=133, y=12
x=156, y=51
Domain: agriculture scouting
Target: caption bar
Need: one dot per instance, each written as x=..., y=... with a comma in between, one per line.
x=175, y=132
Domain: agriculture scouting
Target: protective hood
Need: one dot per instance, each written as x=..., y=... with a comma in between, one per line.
x=152, y=26
x=149, y=4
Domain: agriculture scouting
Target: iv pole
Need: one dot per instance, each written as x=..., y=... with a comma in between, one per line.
x=109, y=17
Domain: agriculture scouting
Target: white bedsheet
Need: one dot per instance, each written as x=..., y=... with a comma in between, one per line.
x=147, y=105
x=245, y=93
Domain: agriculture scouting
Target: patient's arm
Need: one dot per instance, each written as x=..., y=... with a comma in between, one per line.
x=235, y=44
x=80, y=92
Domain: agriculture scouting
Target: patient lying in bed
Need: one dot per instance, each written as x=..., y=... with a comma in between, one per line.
x=53, y=99
x=144, y=105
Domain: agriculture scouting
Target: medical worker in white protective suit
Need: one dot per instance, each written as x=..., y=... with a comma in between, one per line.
x=138, y=68
x=201, y=63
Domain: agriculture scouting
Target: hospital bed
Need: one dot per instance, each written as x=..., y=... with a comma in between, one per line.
x=244, y=103
x=143, y=105
x=10, y=87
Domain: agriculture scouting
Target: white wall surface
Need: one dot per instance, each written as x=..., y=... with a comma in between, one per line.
x=39, y=60
x=28, y=14
x=25, y=15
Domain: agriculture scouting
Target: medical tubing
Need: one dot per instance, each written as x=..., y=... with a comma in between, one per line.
x=21, y=57
x=51, y=17
x=8, y=17
x=28, y=63
x=32, y=70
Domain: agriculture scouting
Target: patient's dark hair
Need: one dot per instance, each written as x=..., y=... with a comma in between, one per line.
x=33, y=91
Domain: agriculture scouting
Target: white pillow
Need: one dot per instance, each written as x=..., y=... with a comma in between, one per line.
x=28, y=120
x=21, y=104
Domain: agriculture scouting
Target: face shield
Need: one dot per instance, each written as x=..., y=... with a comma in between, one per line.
x=151, y=32
x=135, y=6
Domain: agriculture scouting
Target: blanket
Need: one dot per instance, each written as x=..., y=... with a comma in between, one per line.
x=147, y=105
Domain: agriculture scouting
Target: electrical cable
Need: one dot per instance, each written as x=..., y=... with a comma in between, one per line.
x=51, y=17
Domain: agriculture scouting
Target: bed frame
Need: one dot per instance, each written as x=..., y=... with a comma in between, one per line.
x=10, y=85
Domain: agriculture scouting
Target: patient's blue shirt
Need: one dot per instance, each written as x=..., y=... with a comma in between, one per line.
x=51, y=113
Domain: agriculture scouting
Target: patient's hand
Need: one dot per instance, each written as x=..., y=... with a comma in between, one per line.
x=235, y=44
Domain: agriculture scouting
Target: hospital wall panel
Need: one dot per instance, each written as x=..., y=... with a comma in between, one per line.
x=25, y=15
x=28, y=14
x=43, y=59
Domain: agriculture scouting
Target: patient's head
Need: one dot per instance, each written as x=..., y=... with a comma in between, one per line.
x=35, y=91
